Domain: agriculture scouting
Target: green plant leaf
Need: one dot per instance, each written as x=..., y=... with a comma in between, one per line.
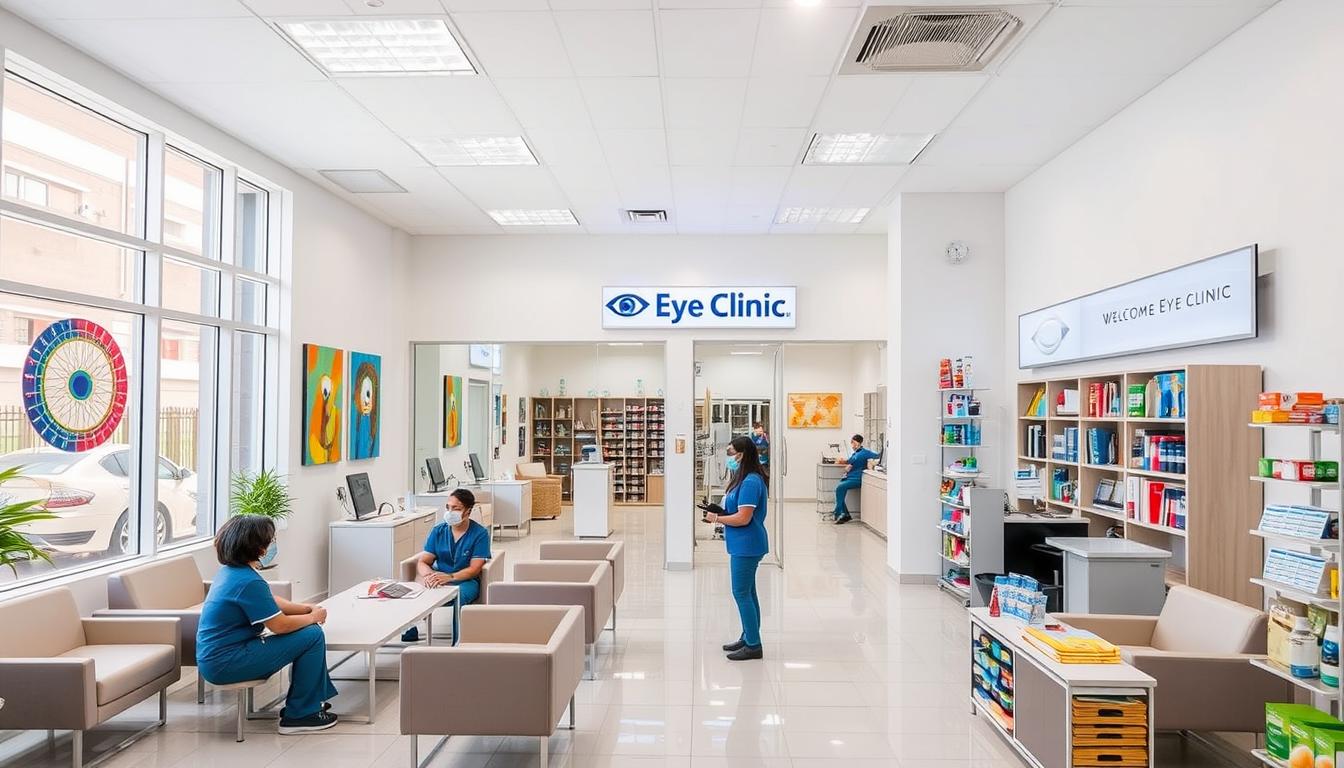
x=264, y=494
x=16, y=548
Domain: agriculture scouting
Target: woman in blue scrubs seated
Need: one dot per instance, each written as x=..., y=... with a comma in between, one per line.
x=857, y=461
x=455, y=553
x=743, y=518
x=230, y=647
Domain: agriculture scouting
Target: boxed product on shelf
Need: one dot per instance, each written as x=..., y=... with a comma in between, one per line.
x=1300, y=570
x=1291, y=401
x=1282, y=614
x=961, y=434
x=1327, y=747
x=1295, y=469
x=1279, y=720
x=1299, y=520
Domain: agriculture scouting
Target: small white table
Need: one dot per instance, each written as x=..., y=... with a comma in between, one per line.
x=365, y=625
x=1112, y=575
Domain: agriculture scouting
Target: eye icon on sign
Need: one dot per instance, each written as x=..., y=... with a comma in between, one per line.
x=627, y=305
x=1050, y=335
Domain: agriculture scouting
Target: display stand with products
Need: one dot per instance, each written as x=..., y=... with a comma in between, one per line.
x=629, y=430
x=960, y=440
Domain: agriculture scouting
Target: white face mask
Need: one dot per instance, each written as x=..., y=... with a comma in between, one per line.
x=453, y=516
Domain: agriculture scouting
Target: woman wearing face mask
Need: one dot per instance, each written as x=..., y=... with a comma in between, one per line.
x=229, y=645
x=743, y=518
x=455, y=552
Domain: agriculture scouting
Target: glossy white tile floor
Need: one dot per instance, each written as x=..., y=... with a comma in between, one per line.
x=859, y=671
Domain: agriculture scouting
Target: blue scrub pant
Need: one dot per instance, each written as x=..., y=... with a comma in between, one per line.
x=467, y=592
x=743, y=570
x=306, y=649
x=843, y=488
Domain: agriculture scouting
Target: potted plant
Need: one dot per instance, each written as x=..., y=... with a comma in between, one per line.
x=263, y=494
x=16, y=548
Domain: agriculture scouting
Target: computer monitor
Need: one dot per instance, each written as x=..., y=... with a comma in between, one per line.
x=361, y=494
x=435, y=469
x=476, y=470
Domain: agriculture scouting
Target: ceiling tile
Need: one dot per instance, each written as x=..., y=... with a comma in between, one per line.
x=623, y=102
x=857, y=103
x=700, y=187
x=970, y=146
x=720, y=4
x=190, y=50
x=867, y=186
x=644, y=146
x=1011, y=103
x=701, y=147
x=801, y=41
x=515, y=44
x=566, y=148
x=310, y=8
x=125, y=9
x=930, y=103
x=507, y=187
x=610, y=43
x=495, y=5
x=600, y=5
x=431, y=106
x=762, y=185
x=782, y=102
x=647, y=186
x=586, y=183
x=396, y=7
x=814, y=185
x=770, y=146
x=965, y=177
x=704, y=102
x=707, y=43
x=546, y=103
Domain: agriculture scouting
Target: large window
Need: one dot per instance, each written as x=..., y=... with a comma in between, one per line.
x=134, y=327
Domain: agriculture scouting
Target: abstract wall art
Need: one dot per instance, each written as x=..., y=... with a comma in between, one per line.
x=454, y=402
x=365, y=403
x=323, y=375
x=74, y=385
x=815, y=410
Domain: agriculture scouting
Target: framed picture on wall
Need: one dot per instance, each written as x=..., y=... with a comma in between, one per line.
x=522, y=441
x=522, y=410
x=365, y=403
x=815, y=410
x=454, y=398
x=323, y=407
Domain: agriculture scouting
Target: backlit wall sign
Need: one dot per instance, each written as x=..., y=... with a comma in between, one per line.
x=700, y=307
x=1201, y=303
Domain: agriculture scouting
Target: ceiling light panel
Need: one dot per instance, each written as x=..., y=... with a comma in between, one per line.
x=362, y=181
x=865, y=148
x=342, y=46
x=475, y=150
x=534, y=217
x=821, y=215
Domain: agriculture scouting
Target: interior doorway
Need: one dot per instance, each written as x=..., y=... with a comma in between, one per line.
x=479, y=432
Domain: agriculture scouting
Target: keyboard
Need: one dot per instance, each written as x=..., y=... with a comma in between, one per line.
x=395, y=591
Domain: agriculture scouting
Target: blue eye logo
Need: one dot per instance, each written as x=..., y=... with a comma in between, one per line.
x=627, y=305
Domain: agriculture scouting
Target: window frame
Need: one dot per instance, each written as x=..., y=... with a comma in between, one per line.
x=143, y=453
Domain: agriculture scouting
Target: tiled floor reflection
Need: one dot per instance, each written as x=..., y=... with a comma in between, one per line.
x=859, y=671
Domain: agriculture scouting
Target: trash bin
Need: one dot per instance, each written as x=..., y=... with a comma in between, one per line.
x=984, y=587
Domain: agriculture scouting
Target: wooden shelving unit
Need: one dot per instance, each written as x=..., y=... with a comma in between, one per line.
x=1210, y=553
x=629, y=430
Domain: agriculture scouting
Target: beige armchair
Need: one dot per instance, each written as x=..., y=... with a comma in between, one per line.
x=611, y=551
x=1198, y=650
x=493, y=571
x=585, y=583
x=61, y=672
x=503, y=650
x=547, y=490
x=173, y=588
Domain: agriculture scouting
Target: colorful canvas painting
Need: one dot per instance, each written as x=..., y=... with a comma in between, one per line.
x=323, y=375
x=815, y=410
x=454, y=401
x=365, y=403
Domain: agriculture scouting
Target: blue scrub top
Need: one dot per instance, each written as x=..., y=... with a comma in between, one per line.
x=762, y=444
x=750, y=539
x=239, y=603
x=858, y=461
x=452, y=556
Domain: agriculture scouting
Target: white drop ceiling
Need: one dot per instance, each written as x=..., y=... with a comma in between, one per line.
x=700, y=107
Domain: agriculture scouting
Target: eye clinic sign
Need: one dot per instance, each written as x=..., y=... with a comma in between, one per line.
x=699, y=307
x=1208, y=301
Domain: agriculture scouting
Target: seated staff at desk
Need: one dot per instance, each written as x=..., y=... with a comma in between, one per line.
x=455, y=552
x=857, y=461
x=230, y=647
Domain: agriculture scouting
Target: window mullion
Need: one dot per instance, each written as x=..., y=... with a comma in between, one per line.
x=224, y=436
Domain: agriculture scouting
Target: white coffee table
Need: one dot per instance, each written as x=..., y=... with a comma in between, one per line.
x=364, y=625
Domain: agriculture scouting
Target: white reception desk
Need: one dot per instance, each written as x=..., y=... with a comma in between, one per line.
x=592, y=500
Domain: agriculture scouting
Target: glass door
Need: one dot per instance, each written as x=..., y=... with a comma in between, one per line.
x=779, y=454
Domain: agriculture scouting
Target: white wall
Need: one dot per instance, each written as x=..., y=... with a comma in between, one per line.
x=592, y=370
x=1242, y=146
x=945, y=310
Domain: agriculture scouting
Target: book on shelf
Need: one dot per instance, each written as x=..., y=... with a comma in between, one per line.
x=1101, y=446
x=1036, y=409
x=1067, y=403
x=1064, y=446
x=1035, y=442
x=1110, y=494
x=1158, y=450
x=1103, y=399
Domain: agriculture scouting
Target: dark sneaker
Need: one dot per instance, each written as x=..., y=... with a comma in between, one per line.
x=735, y=646
x=411, y=635
x=746, y=653
x=319, y=721
x=841, y=520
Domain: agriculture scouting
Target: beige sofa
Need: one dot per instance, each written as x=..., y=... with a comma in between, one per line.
x=504, y=650
x=174, y=588
x=547, y=490
x=611, y=551
x=1198, y=649
x=585, y=583
x=61, y=672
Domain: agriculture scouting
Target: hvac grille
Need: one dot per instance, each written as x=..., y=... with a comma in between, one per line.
x=930, y=39
x=646, y=216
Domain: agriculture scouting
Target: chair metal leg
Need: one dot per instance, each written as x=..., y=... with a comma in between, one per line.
x=243, y=706
x=415, y=751
x=545, y=750
x=51, y=740
x=571, y=713
x=163, y=707
x=200, y=688
x=77, y=748
x=592, y=661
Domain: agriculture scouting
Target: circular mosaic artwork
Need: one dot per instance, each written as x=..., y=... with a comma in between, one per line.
x=74, y=385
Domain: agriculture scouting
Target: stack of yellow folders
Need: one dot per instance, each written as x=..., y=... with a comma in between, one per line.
x=1067, y=645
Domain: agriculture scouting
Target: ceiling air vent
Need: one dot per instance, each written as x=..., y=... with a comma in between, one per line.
x=647, y=216
x=932, y=39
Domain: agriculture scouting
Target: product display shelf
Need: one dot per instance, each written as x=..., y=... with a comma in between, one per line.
x=955, y=576
x=974, y=533
x=628, y=430
x=1325, y=495
x=1268, y=759
x=1208, y=551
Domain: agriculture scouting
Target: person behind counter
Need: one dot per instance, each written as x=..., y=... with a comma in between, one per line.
x=762, y=442
x=455, y=552
x=857, y=461
x=230, y=647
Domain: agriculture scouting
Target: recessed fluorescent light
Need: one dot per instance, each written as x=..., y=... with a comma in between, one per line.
x=342, y=46
x=821, y=215
x=362, y=181
x=475, y=150
x=743, y=352
x=625, y=344
x=534, y=217
x=865, y=148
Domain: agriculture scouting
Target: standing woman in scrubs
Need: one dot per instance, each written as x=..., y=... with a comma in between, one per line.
x=455, y=552
x=743, y=518
x=230, y=647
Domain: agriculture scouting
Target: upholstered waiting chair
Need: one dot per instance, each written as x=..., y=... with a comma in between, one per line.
x=516, y=666
x=611, y=551
x=61, y=672
x=174, y=588
x=547, y=490
x=585, y=583
x=1199, y=650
